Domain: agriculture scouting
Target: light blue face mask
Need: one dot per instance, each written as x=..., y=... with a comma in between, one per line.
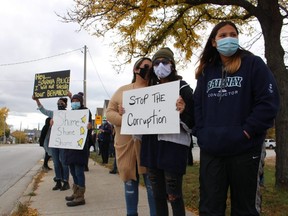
x=227, y=46
x=75, y=105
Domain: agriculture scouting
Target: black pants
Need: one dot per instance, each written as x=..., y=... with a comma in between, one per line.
x=239, y=173
x=167, y=186
x=105, y=151
x=46, y=159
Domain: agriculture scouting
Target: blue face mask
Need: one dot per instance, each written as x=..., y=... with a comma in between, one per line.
x=75, y=105
x=227, y=46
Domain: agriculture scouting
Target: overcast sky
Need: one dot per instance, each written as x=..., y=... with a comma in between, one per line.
x=30, y=32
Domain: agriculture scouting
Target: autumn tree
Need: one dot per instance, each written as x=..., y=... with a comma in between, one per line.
x=4, y=128
x=142, y=26
x=20, y=136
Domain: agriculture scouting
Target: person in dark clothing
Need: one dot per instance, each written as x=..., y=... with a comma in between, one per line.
x=165, y=155
x=105, y=138
x=43, y=134
x=236, y=101
x=77, y=159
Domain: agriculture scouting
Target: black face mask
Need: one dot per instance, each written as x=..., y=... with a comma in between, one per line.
x=61, y=107
x=143, y=71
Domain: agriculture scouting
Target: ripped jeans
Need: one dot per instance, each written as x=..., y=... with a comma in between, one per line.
x=131, y=196
x=167, y=186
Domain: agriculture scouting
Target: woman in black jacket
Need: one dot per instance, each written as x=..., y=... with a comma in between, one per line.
x=77, y=159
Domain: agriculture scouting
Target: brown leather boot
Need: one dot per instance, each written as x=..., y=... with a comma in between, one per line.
x=79, y=199
x=72, y=197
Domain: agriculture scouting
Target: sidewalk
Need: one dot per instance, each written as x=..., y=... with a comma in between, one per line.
x=104, y=196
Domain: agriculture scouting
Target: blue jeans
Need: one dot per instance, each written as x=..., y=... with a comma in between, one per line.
x=61, y=170
x=167, y=185
x=77, y=172
x=131, y=196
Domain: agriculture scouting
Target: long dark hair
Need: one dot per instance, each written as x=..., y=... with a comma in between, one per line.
x=210, y=55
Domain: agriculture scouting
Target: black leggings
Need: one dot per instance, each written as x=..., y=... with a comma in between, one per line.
x=167, y=186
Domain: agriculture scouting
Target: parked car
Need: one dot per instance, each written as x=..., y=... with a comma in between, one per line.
x=270, y=143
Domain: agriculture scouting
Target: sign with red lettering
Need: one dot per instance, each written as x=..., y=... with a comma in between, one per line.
x=52, y=84
x=151, y=110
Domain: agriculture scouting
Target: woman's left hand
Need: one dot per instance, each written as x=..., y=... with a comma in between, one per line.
x=180, y=104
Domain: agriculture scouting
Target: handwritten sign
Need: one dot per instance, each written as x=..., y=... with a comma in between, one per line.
x=69, y=129
x=53, y=84
x=151, y=110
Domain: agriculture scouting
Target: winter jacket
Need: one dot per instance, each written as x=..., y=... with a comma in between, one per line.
x=169, y=151
x=79, y=157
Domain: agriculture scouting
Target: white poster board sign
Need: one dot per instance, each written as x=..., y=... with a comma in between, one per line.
x=69, y=129
x=151, y=110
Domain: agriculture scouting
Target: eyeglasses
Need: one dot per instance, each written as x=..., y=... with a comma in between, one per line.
x=164, y=61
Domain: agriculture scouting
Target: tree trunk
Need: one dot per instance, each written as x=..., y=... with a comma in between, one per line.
x=271, y=22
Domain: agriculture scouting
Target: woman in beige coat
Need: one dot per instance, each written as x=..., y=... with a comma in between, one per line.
x=127, y=148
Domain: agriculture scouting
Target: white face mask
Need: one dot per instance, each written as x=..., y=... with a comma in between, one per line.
x=162, y=71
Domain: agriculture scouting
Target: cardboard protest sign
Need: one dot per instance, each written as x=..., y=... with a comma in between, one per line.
x=53, y=84
x=151, y=110
x=69, y=129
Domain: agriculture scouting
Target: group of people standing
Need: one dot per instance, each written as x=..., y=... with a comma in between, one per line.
x=235, y=101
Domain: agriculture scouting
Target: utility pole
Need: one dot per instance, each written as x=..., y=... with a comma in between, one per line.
x=4, y=137
x=84, y=81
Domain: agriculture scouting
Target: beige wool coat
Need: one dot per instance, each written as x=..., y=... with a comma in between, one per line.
x=127, y=149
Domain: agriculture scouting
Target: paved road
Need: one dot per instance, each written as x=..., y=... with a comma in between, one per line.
x=16, y=162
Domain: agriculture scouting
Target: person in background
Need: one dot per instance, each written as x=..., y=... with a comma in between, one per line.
x=127, y=148
x=104, y=137
x=44, y=132
x=165, y=155
x=60, y=168
x=236, y=101
x=114, y=169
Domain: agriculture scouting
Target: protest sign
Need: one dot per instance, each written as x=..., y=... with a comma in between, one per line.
x=69, y=129
x=151, y=110
x=53, y=84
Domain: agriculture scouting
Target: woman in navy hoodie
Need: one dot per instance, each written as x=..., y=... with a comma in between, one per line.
x=236, y=101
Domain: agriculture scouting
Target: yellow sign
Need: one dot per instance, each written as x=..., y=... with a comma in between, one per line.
x=98, y=120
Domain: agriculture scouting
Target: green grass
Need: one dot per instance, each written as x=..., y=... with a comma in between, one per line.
x=275, y=202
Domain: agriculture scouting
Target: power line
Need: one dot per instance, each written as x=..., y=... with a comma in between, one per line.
x=98, y=75
x=40, y=59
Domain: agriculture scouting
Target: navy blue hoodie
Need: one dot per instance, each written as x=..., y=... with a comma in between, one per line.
x=227, y=104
